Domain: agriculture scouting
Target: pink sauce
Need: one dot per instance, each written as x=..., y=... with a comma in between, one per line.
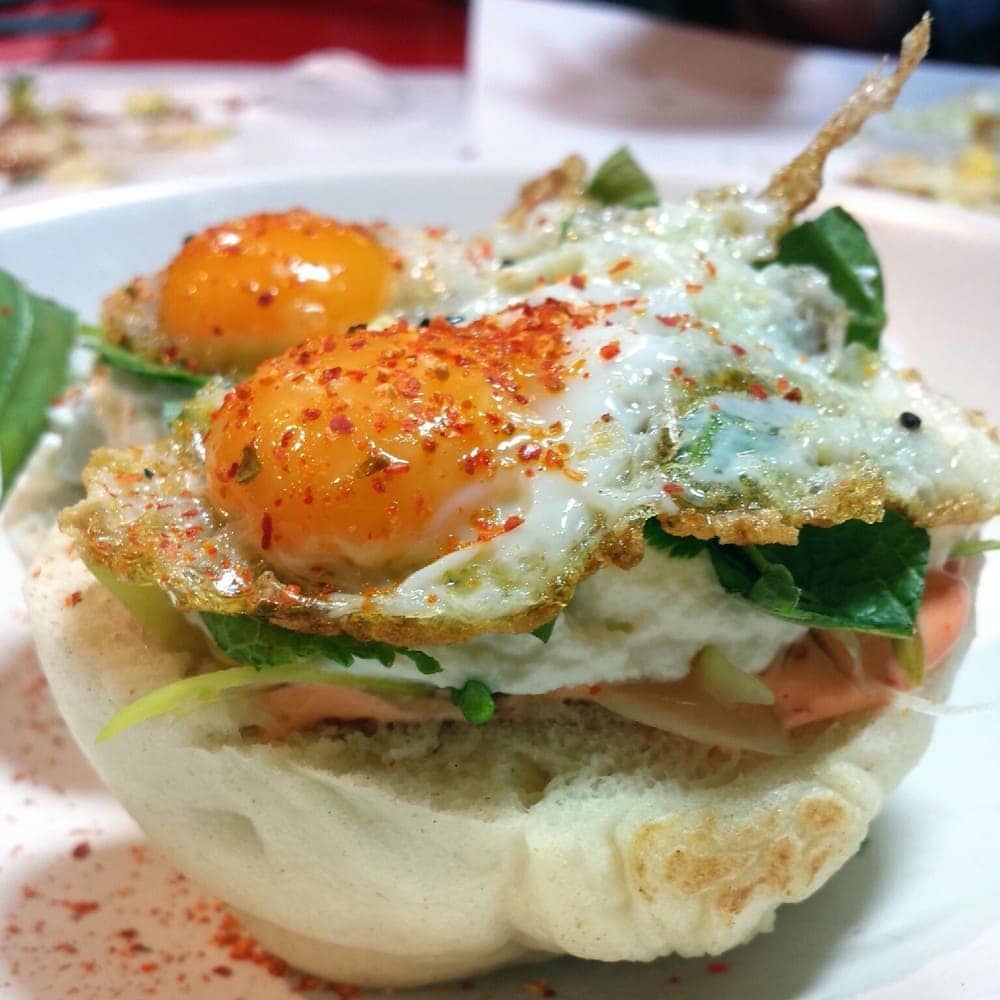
x=816, y=678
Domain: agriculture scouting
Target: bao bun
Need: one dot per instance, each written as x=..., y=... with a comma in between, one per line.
x=434, y=851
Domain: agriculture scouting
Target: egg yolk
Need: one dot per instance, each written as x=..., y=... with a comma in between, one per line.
x=248, y=289
x=384, y=450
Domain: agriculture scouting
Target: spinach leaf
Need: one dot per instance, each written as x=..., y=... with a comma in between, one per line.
x=621, y=181
x=864, y=577
x=124, y=360
x=837, y=245
x=43, y=374
x=260, y=644
x=15, y=331
x=36, y=337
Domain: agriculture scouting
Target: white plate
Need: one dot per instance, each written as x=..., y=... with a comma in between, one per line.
x=916, y=914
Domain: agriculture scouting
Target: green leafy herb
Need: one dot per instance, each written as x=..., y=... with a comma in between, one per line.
x=193, y=692
x=974, y=546
x=36, y=337
x=864, y=577
x=544, y=632
x=15, y=331
x=621, y=181
x=837, y=245
x=263, y=645
x=475, y=701
x=125, y=360
x=678, y=546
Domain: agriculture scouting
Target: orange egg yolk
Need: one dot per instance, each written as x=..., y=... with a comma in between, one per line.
x=248, y=289
x=384, y=450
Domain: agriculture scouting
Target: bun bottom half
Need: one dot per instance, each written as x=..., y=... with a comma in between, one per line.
x=429, y=852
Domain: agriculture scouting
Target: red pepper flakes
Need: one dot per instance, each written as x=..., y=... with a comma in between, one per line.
x=222, y=970
x=529, y=451
x=671, y=321
x=710, y=268
x=266, y=298
x=692, y=288
x=82, y=850
x=266, y=532
x=793, y=395
x=79, y=908
x=606, y=418
x=740, y=352
x=72, y=600
x=611, y=350
x=672, y=488
x=622, y=265
x=717, y=968
x=595, y=689
x=578, y=281
x=757, y=391
x=341, y=424
x=512, y=522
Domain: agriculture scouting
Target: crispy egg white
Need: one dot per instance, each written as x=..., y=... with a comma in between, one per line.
x=247, y=289
x=678, y=380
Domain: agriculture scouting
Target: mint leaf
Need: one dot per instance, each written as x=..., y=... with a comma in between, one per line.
x=36, y=337
x=864, y=577
x=677, y=546
x=475, y=701
x=544, y=632
x=262, y=645
x=124, y=360
x=775, y=591
x=837, y=245
x=621, y=181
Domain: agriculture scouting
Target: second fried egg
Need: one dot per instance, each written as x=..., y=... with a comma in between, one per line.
x=247, y=289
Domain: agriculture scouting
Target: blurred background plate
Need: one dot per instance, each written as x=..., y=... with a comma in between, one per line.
x=87, y=911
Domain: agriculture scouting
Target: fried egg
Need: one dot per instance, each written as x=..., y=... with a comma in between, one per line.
x=426, y=484
x=247, y=289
